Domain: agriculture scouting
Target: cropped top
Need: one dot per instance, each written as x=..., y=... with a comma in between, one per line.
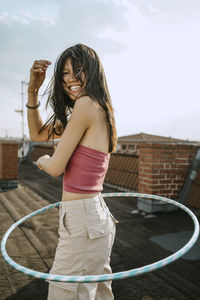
x=85, y=170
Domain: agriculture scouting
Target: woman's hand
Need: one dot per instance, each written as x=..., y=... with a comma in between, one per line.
x=37, y=75
x=43, y=161
x=46, y=164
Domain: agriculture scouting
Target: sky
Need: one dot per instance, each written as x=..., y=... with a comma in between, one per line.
x=150, y=50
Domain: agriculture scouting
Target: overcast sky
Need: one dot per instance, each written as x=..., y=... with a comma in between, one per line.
x=150, y=50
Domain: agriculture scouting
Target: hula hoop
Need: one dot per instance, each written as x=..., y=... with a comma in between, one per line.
x=104, y=277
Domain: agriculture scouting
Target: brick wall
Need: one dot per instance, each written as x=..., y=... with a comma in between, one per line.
x=163, y=168
x=8, y=164
x=40, y=150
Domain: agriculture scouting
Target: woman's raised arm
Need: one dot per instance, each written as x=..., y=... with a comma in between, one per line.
x=37, y=77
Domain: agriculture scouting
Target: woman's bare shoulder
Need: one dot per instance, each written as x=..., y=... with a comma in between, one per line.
x=88, y=103
x=84, y=100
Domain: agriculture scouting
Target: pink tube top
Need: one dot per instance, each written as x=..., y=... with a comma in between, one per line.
x=85, y=171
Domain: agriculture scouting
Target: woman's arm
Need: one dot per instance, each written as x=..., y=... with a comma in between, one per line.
x=35, y=123
x=81, y=119
x=34, y=118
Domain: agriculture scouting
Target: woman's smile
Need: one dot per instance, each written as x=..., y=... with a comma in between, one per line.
x=74, y=88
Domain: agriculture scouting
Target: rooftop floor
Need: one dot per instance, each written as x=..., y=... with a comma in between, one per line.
x=140, y=240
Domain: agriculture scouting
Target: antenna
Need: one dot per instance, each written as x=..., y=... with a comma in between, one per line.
x=21, y=111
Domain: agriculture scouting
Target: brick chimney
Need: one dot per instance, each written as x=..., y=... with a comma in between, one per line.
x=8, y=165
x=163, y=168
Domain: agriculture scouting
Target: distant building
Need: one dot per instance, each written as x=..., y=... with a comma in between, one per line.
x=128, y=143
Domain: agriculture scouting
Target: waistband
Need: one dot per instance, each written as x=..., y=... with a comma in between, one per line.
x=87, y=202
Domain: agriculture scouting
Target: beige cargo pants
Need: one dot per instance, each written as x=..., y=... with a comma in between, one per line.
x=87, y=231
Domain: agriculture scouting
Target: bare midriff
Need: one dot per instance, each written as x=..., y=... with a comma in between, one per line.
x=67, y=196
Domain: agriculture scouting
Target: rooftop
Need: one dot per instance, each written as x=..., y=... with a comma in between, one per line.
x=144, y=137
x=140, y=240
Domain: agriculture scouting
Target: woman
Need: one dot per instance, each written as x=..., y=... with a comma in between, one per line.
x=83, y=118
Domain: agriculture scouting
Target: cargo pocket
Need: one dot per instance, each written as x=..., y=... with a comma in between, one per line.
x=99, y=229
x=99, y=245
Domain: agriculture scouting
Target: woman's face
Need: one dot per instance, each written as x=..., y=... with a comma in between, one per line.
x=72, y=85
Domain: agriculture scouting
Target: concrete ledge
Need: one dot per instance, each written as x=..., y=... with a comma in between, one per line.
x=151, y=206
x=8, y=184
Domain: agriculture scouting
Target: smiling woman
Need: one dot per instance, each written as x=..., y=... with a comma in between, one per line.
x=84, y=120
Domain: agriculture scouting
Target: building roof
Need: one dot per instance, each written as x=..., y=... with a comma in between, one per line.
x=33, y=243
x=145, y=137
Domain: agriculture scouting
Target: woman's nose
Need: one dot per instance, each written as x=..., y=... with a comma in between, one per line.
x=72, y=76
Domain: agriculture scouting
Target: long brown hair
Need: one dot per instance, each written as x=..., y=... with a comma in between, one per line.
x=83, y=59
